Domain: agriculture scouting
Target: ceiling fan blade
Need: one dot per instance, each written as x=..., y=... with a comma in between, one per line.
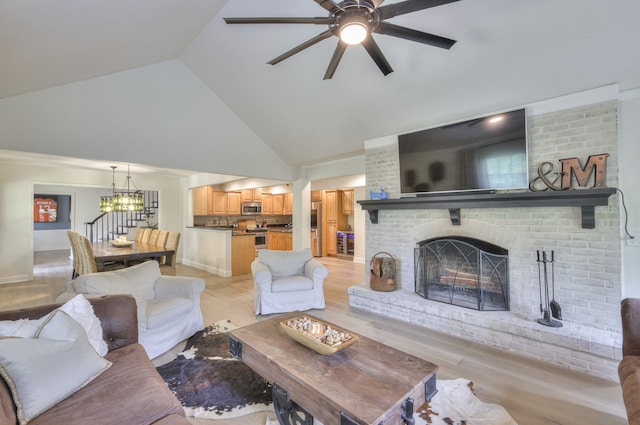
x=409, y=6
x=328, y=4
x=317, y=21
x=376, y=54
x=301, y=47
x=414, y=35
x=335, y=60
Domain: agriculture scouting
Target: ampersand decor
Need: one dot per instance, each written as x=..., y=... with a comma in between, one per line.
x=546, y=169
x=571, y=167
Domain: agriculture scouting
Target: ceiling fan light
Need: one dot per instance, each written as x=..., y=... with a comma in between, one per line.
x=353, y=33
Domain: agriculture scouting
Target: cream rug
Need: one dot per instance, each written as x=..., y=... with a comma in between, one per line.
x=455, y=404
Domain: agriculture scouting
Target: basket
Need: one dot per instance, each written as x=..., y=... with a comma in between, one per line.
x=383, y=272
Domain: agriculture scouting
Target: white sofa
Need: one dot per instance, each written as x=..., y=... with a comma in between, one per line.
x=168, y=306
x=287, y=281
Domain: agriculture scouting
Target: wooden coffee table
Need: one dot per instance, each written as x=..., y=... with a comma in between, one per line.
x=368, y=383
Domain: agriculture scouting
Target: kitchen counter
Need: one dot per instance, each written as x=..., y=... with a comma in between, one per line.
x=234, y=230
x=280, y=229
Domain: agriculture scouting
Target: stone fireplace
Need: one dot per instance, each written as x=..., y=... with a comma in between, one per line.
x=463, y=271
x=587, y=260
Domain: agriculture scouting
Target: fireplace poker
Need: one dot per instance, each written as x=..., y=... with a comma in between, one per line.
x=546, y=286
x=539, y=280
x=546, y=319
x=556, y=311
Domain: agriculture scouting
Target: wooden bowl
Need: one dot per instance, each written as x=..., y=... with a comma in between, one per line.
x=121, y=244
x=313, y=339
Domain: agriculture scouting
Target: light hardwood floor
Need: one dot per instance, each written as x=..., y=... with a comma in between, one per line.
x=534, y=393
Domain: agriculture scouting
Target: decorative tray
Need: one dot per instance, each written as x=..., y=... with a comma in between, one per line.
x=317, y=335
x=120, y=243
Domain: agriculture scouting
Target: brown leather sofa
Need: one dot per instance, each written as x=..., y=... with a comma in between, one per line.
x=130, y=392
x=629, y=367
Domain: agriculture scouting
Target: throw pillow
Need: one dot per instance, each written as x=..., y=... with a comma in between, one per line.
x=47, y=369
x=81, y=311
x=22, y=328
x=139, y=281
x=285, y=263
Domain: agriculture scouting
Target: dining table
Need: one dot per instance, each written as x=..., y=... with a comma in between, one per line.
x=108, y=252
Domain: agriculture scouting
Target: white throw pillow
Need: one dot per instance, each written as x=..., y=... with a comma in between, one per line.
x=285, y=263
x=78, y=308
x=139, y=281
x=81, y=311
x=47, y=369
x=21, y=328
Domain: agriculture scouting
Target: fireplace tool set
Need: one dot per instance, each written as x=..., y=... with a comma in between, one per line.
x=550, y=308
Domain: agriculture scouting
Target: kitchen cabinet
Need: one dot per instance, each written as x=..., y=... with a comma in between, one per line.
x=234, y=203
x=334, y=221
x=332, y=240
x=219, y=202
x=226, y=203
x=347, y=201
x=280, y=241
x=278, y=204
x=288, y=204
x=201, y=197
x=252, y=195
x=267, y=203
x=316, y=195
x=242, y=254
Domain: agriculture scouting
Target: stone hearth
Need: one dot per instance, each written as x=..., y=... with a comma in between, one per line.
x=587, y=262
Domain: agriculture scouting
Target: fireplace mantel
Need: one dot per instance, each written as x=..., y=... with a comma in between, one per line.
x=587, y=199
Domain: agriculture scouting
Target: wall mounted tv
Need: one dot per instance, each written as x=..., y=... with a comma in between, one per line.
x=486, y=153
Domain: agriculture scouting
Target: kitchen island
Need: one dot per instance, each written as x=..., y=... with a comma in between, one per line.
x=218, y=250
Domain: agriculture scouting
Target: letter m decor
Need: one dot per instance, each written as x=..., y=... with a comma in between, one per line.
x=596, y=164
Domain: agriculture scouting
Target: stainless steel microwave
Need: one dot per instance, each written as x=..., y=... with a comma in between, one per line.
x=251, y=208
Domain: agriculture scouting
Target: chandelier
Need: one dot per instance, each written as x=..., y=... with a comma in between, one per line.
x=124, y=199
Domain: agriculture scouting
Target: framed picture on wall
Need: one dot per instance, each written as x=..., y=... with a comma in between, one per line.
x=45, y=209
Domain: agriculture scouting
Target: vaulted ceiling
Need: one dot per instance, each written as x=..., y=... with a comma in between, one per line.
x=509, y=53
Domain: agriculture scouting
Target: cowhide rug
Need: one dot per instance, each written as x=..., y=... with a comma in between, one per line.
x=210, y=383
x=455, y=404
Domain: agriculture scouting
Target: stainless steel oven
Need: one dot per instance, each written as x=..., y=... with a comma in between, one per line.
x=261, y=241
x=251, y=208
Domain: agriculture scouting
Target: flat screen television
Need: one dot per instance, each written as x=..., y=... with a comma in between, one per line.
x=486, y=153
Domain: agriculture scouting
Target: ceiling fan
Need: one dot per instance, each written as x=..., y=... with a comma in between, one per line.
x=353, y=22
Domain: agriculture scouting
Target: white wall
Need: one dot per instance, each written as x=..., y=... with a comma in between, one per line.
x=83, y=205
x=17, y=182
x=629, y=122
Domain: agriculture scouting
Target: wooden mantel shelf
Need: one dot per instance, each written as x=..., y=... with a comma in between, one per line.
x=587, y=199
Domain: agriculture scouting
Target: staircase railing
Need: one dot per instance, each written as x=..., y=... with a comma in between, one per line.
x=97, y=222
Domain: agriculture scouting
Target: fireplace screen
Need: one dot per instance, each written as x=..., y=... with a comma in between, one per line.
x=464, y=272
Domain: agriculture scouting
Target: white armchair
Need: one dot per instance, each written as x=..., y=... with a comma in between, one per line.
x=287, y=281
x=168, y=306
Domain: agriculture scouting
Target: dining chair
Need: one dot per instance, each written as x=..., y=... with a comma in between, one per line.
x=153, y=238
x=84, y=260
x=146, y=234
x=168, y=263
x=162, y=237
x=139, y=234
